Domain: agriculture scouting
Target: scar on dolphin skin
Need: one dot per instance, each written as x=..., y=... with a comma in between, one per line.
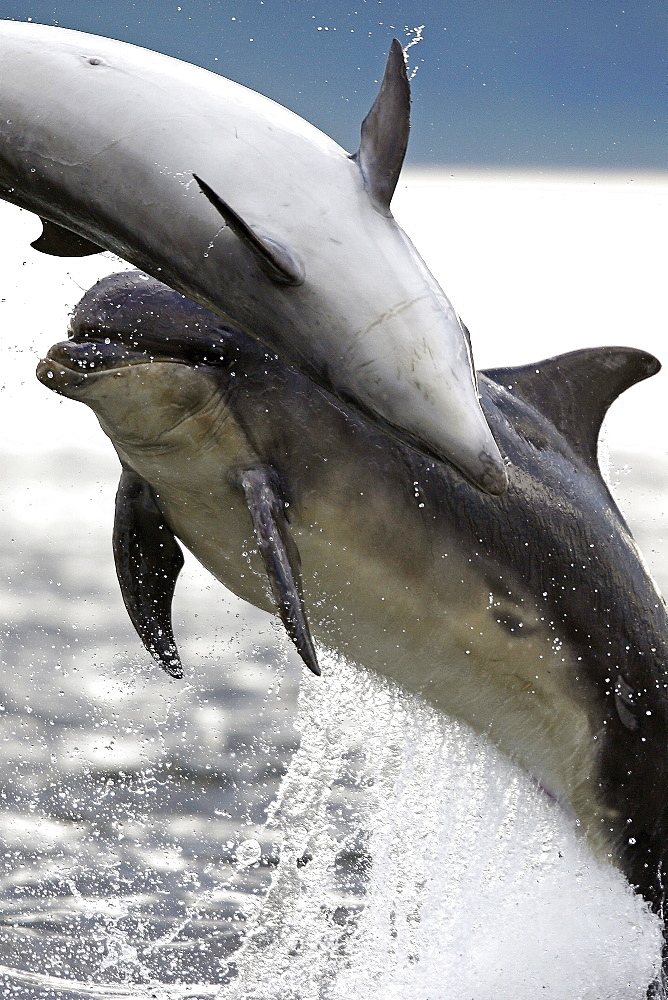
x=390, y=313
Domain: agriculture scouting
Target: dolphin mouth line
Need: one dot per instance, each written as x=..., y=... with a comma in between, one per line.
x=86, y=357
x=130, y=363
x=66, y=374
x=106, y=370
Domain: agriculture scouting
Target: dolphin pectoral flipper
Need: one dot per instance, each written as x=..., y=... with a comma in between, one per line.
x=148, y=561
x=57, y=241
x=280, y=556
x=273, y=258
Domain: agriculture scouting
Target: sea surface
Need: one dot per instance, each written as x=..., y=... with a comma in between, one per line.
x=252, y=832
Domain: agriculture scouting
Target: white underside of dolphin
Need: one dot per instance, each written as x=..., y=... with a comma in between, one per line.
x=243, y=206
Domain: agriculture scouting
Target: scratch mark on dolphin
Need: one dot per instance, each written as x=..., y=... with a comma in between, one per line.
x=391, y=313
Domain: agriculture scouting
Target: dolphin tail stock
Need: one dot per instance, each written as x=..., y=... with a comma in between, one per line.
x=280, y=557
x=385, y=129
x=148, y=561
x=281, y=266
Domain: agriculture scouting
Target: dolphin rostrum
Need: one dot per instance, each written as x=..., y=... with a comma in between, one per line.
x=248, y=209
x=531, y=616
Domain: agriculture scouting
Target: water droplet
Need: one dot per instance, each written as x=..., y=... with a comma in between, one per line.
x=248, y=853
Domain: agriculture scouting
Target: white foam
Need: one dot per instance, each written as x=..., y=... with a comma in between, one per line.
x=479, y=886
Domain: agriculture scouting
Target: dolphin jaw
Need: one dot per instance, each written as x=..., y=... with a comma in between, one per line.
x=75, y=383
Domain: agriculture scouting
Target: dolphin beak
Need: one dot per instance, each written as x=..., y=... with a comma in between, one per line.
x=488, y=472
x=484, y=468
x=59, y=377
x=470, y=444
x=463, y=439
x=476, y=453
x=472, y=450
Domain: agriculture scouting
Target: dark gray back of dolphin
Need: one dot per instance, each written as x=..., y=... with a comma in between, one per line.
x=593, y=579
x=561, y=535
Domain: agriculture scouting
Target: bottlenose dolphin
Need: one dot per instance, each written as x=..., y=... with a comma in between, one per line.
x=531, y=616
x=248, y=209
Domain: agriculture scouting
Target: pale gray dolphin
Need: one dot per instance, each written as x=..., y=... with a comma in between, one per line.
x=531, y=616
x=245, y=207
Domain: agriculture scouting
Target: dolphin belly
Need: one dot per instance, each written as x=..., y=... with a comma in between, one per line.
x=381, y=586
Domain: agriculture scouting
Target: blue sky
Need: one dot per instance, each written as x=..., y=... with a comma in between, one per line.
x=539, y=83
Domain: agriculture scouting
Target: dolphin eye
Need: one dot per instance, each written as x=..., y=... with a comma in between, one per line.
x=510, y=621
x=625, y=704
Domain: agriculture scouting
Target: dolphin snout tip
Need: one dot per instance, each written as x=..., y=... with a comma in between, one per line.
x=494, y=477
x=485, y=470
x=44, y=369
x=56, y=376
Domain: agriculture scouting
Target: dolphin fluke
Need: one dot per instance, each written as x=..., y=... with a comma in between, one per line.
x=274, y=259
x=280, y=556
x=57, y=241
x=148, y=561
x=385, y=132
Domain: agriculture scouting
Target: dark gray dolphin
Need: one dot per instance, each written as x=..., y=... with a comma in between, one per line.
x=243, y=206
x=531, y=616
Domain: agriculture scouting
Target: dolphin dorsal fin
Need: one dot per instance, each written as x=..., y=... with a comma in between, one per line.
x=574, y=391
x=385, y=132
x=275, y=260
x=57, y=241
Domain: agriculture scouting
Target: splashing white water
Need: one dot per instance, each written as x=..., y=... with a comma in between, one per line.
x=417, y=37
x=476, y=884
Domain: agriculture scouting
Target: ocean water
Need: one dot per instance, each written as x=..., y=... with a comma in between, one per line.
x=252, y=832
